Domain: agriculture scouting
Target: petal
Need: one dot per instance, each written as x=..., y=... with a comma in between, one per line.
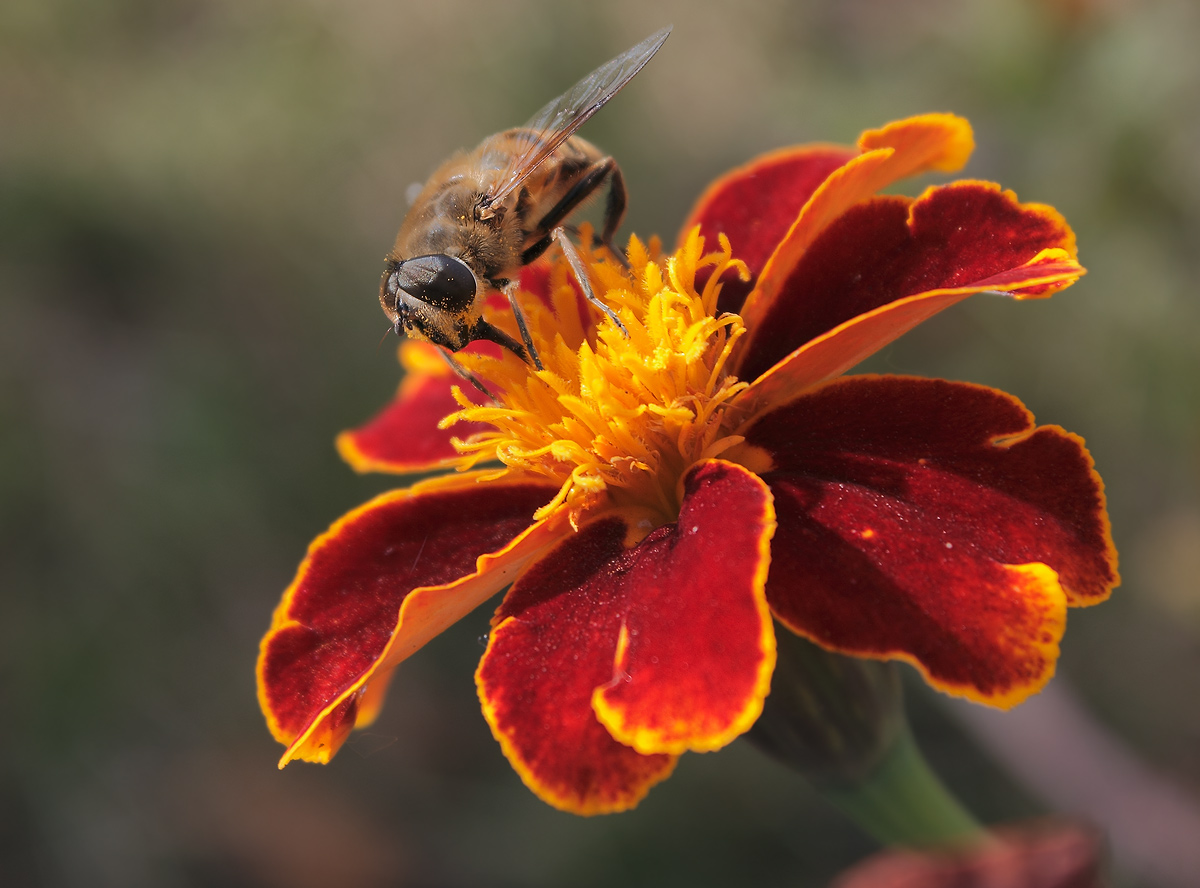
x=1047, y=854
x=755, y=205
x=404, y=436
x=931, y=521
x=697, y=648
x=385, y=579
x=668, y=650
x=535, y=279
x=537, y=676
x=890, y=263
x=941, y=142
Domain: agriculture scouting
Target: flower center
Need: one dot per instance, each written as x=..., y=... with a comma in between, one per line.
x=616, y=419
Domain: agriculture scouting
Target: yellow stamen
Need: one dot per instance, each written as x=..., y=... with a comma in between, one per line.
x=616, y=418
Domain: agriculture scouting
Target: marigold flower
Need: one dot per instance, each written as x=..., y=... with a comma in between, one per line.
x=656, y=498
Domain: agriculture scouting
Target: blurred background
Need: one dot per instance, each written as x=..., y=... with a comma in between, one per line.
x=195, y=198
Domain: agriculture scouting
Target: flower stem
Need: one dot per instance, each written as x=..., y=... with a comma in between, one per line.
x=839, y=721
x=902, y=802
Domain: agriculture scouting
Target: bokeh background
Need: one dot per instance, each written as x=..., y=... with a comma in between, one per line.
x=195, y=197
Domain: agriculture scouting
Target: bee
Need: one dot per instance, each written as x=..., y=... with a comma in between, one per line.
x=486, y=213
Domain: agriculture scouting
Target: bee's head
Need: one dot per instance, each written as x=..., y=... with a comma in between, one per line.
x=425, y=293
x=440, y=281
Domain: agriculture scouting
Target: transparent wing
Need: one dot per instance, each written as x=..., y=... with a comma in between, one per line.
x=555, y=123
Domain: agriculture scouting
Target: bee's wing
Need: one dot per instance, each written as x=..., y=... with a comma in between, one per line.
x=555, y=123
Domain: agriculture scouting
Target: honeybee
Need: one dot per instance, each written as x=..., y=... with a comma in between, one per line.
x=485, y=214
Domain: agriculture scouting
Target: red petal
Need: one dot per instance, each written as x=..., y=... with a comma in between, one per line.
x=404, y=436
x=917, y=519
x=535, y=279
x=380, y=583
x=890, y=263
x=539, y=671
x=755, y=205
x=697, y=649
x=885, y=249
x=919, y=144
x=670, y=643
x=1038, y=855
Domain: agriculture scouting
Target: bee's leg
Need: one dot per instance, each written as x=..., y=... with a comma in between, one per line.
x=576, y=261
x=614, y=212
x=590, y=179
x=484, y=330
x=510, y=290
x=466, y=374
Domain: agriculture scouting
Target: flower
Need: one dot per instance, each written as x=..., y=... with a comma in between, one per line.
x=1033, y=854
x=657, y=497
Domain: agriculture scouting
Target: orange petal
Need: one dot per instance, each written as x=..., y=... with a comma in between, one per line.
x=668, y=645
x=404, y=436
x=697, y=647
x=890, y=264
x=941, y=142
x=384, y=580
x=544, y=658
x=755, y=205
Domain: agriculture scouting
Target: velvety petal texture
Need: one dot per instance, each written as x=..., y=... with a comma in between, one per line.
x=932, y=521
x=404, y=436
x=898, y=150
x=382, y=581
x=608, y=660
x=839, y=317
x=755, y=205
x=962, y=238
x=773, y=207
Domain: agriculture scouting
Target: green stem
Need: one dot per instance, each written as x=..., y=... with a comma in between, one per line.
x=902, y=802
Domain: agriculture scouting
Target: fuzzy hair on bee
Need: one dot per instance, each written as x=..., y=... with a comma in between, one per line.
x=485, y=214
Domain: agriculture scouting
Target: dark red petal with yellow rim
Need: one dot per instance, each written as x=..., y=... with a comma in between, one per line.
x=774, y=206
x=941, y=142
x=1047, y=854
x=755, y=205
x=376, y=586
x=933, y=522
x=537, y=677
x=404, y=436
x=666, y=646
x=891, y=262
x=888, y=248
x=697, y=649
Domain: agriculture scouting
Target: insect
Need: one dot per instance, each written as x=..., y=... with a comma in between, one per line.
x=485, y=214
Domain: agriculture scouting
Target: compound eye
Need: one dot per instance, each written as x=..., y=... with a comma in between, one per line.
x=438, y=280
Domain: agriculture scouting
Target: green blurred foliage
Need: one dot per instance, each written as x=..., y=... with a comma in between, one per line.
x=194, y=201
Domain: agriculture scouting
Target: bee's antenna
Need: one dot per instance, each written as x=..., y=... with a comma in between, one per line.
x=384, y=336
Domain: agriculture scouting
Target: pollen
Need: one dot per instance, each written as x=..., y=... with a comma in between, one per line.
x=616, y=418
